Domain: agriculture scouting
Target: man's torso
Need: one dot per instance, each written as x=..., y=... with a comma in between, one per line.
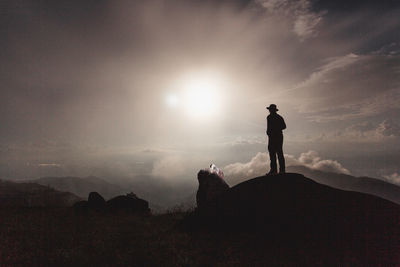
x=275, y=125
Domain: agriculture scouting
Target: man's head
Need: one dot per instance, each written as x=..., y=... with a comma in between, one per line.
x=272, y=108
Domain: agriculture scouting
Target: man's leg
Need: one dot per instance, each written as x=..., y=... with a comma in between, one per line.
x=272, y=158
x=281, y=158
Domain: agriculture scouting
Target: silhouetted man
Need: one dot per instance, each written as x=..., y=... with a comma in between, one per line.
x=275, y=125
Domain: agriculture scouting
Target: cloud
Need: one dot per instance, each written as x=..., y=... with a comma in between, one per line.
x=388, y=128
x=304, y=20
x=168, y=167
x=394, y=178
x=365, y=132
x=350, y=87
x=258, y=165
x=389, y=49
x=245, y=141
x=312, y=160
x=361, y=127
x=305, y=25
x=152, y=150
x=49, y=165
x=98, y=74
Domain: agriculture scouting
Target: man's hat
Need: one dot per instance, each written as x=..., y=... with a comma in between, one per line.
x=272, y=107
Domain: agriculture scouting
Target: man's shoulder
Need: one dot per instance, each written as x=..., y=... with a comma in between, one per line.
x=275, y=115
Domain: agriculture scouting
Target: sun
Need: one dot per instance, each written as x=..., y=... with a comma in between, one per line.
x=197, y=95
x=172, y=100
x=202, y=96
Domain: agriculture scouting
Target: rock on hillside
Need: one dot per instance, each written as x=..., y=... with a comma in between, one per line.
x=96, y=201
x=129, y=203
x=294, y=208
x=210, y=186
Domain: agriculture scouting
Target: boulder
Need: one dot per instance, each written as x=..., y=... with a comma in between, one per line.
x=211, y=185
x=96, y=201
x=302, y=216
x=129, y=203
x=290, y=203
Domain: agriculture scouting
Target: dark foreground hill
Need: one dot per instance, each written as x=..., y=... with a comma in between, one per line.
x=297, y=210
x=267, y=221
x=347, y=182
x=33, y=195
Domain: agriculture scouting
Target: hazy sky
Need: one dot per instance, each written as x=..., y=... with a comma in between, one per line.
x=164, y=88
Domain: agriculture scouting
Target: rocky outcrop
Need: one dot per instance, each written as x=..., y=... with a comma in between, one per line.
x=96, y=201
x=294, y=211
x=211, y=185
x=129, y=203
x=291, y=203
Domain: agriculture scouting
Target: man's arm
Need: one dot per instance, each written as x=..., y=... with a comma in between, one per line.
x=268, y=127
x=283, y=124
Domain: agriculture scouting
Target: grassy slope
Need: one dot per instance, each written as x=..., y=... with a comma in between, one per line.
x=58, y=237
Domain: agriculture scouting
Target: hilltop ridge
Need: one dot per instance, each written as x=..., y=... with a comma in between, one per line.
x=362, y=184
x=294, y=209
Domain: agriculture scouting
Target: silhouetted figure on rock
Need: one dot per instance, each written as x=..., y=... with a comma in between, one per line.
x=275, y=125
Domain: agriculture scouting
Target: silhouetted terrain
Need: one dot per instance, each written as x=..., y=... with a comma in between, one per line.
x=277, y=220
x=33, y=195
x=82, y=186
x=161, y=196
x=300, y=212
x=347, y=182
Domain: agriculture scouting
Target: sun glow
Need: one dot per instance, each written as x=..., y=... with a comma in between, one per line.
x=198, y=95
x=202, y=96
x=172, y=100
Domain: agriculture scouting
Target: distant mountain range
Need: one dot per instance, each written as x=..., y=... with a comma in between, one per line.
x=162, y=195
x=82, y=186
x=367, y=185
x=33, y=195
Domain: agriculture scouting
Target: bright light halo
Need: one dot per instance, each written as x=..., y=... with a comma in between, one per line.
x=172, y=101
x=201, y=96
